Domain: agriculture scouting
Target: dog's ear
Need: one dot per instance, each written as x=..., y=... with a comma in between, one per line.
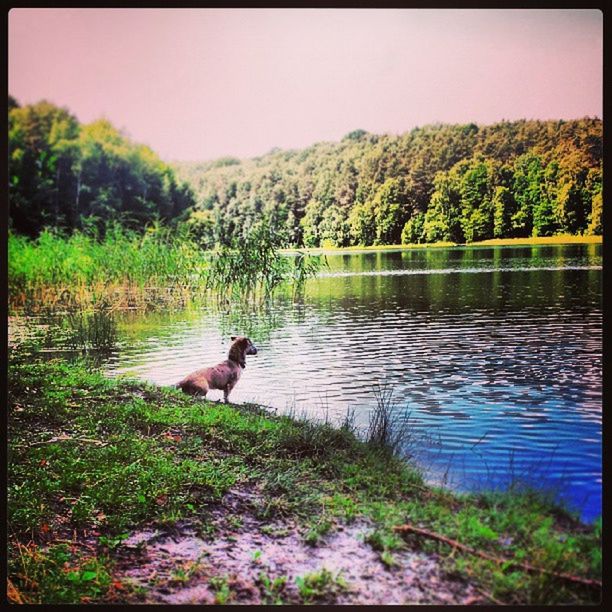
x=233, y=338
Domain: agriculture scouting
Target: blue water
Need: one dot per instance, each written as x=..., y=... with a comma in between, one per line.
x=493, y=356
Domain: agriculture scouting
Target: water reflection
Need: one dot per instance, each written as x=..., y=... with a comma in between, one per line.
x=501, y=366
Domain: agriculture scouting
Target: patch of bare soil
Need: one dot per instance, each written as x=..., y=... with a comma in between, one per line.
x=251, y=561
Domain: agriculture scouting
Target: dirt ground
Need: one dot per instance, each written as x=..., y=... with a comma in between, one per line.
x=250, y=561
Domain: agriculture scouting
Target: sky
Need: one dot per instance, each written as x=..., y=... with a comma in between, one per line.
x=198, y=84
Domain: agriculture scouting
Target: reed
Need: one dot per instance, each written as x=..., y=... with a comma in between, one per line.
x=159, y=267
x=253, y=266
x=388, y=428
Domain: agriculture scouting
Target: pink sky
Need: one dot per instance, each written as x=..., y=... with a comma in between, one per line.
x=196, y=84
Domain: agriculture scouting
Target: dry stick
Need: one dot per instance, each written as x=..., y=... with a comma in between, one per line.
x=74, y=543
x=490, y=597
x=67, y=439
x=498, y=560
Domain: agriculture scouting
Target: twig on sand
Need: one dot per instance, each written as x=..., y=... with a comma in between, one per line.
x=75, y=543
x=65, y=438
x=499, y=560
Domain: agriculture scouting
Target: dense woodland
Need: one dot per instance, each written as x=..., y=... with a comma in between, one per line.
x=458, y=183
x=70, y=176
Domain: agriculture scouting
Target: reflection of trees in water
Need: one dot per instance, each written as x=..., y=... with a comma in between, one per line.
x=258, y=322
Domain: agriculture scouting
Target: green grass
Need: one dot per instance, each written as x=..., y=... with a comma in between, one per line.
x=80, y=269
x=160, y=267
x=320, y=587
x=97, y=458
x=167, y=267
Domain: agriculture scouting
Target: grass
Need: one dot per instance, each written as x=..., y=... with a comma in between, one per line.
x=320, y=587
x=166, y=267
x=273, y=589
x=159, y=268
x=125, y=268
x=90, y=459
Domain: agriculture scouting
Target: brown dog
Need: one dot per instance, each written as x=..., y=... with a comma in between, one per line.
x=224, y=375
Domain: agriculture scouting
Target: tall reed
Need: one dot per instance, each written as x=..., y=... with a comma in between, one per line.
x=253, y=266
x=82, y=269
x=133, y=270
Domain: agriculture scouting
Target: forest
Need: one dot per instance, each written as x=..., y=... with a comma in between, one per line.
x=69, y=176
x=457, y=183
x=436, y=183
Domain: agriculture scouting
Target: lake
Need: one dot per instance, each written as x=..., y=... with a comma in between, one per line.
x=493, y=356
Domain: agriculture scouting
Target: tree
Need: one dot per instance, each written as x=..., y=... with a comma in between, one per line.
x=595, y=227
x=544, y=218
x=476, y=189
x=527, y=192
x=310, y=223
x=574, y=199
x=414, y=229
x=334, y=229
x=38, y=156
x=443, y=217
x=391, y=208
x=362, y=224
x=504, y=207
x=61, y=174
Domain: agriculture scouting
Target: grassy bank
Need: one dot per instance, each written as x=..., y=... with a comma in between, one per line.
x=124, y=269
x=92, y=459
x=529, y=241
x=162, y=267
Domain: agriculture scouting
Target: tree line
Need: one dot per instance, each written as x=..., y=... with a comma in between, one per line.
x=459, y=183
x=70, y=176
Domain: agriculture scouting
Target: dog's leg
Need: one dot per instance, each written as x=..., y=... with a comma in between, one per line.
x=226, y=393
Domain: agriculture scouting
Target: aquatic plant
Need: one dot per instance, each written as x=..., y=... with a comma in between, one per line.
x=253, y=266
x=60, y=270
x=388, y=429
x=157, y=267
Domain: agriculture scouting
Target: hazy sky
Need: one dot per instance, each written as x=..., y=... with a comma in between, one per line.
x=196, y=84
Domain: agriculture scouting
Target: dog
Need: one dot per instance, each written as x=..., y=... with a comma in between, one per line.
x=224, y=375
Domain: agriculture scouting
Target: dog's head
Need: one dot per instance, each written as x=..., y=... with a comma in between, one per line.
x=244, y=344
x=241, y=346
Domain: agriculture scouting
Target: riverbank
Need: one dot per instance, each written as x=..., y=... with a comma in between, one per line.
x=122, y=492
x=528, y=241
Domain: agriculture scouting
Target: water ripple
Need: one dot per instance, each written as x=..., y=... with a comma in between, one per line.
x=409, y=272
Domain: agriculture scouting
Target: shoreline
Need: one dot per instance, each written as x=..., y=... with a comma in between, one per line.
x=103, y=470
x=530, y=241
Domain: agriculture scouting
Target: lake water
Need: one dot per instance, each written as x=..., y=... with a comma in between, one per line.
x=493, y=356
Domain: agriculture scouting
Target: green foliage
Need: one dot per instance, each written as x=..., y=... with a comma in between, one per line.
x=317, y=530
x=221, y=588
x=253, y=264
x=595, y=218
x=503, y=208
x=436, y=183
x=272, y=589
x=477, y=211
x=58, y=575
x=321, y=586
x=81, y=265
x=414, y=229
x=109, y=455
x=62, y=174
